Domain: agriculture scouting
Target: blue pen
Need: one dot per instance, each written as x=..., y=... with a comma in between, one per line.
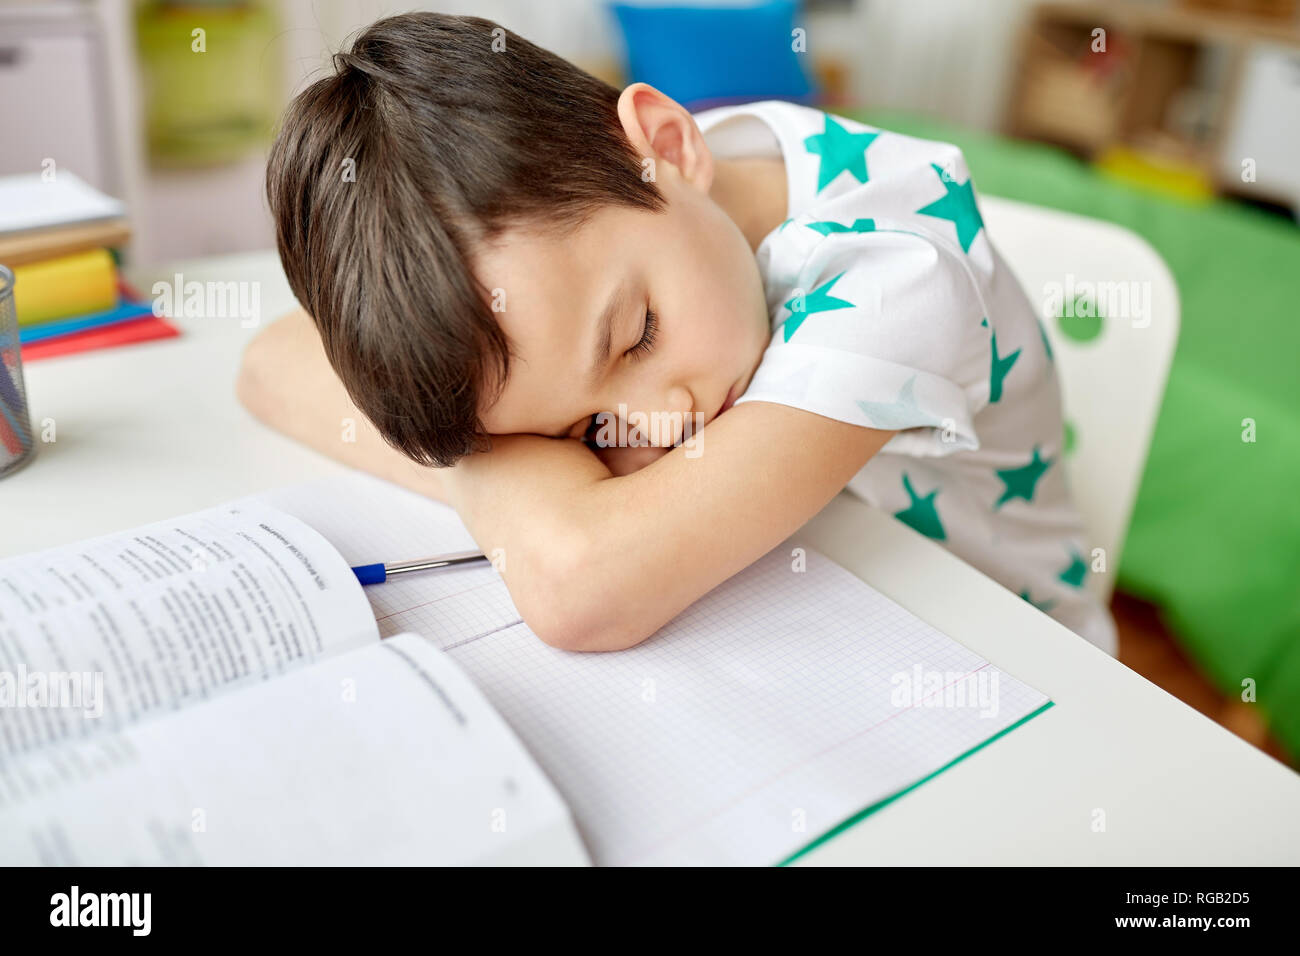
x=379, y=573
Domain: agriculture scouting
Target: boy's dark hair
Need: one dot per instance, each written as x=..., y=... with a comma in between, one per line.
x=385, y=175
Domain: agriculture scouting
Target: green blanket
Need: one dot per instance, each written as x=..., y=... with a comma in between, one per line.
x=1215, y=534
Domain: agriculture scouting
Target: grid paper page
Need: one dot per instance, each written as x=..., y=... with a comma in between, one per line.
x=763, y=716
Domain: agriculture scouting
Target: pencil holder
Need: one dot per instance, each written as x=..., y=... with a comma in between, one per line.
x=16, y=445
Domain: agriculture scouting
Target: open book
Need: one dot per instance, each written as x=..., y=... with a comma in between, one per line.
x=251, y=713
x=212, y=689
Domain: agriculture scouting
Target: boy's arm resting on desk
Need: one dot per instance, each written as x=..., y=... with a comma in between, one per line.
x=598, y=562
x=286, y=381
x=594, y=560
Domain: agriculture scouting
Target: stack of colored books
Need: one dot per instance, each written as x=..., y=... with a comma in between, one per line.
x=59, y=237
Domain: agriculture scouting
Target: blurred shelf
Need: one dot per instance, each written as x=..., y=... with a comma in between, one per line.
x=1168, y=87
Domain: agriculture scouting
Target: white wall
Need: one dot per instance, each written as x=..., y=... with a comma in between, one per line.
x=950, y=58
x=577, y=29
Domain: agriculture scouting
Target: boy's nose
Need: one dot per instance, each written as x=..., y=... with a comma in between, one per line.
x=661, y=420
x=680, y=406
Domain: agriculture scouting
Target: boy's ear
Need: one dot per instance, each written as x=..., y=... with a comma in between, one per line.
x=661, y=128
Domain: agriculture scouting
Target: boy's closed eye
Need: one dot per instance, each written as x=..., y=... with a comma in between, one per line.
x=649, y=330
x=644, y=345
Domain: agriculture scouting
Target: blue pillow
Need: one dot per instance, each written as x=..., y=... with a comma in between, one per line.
x=708, y=56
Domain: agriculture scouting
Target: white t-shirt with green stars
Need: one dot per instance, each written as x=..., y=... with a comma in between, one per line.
x=891, y=309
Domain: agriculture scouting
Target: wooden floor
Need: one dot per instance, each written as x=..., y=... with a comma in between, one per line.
x=1147, y=646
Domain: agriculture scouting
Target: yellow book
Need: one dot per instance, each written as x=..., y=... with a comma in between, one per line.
x=61, y=288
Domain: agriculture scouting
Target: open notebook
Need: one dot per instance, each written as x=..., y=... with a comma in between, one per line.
x=761, y=720
x=790, y=700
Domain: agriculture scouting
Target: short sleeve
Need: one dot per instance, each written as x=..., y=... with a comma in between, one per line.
x=882, y=327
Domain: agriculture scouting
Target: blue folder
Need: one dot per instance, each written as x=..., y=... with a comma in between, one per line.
x=123, y=311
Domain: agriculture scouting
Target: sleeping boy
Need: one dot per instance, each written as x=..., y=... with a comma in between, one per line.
x=637, y=348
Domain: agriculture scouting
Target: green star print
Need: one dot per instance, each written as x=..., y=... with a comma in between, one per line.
x=958, y=207
x=818, y=300
x=1001, y=366
x=840, y=151
x=859, y=225
x=1076, y=571
x=921, y=515
x=1021, y=481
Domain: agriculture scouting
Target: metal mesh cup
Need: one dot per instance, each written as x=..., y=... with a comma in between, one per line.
x=16, y=445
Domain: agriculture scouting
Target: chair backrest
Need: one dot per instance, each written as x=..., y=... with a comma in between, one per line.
x=1110, y=312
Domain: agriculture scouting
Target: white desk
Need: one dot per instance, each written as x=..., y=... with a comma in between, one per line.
x=154, y=430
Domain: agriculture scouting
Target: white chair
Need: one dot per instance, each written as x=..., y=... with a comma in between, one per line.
x=1111, y=384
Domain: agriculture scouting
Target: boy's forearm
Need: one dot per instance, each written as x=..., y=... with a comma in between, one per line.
x=596, y=562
